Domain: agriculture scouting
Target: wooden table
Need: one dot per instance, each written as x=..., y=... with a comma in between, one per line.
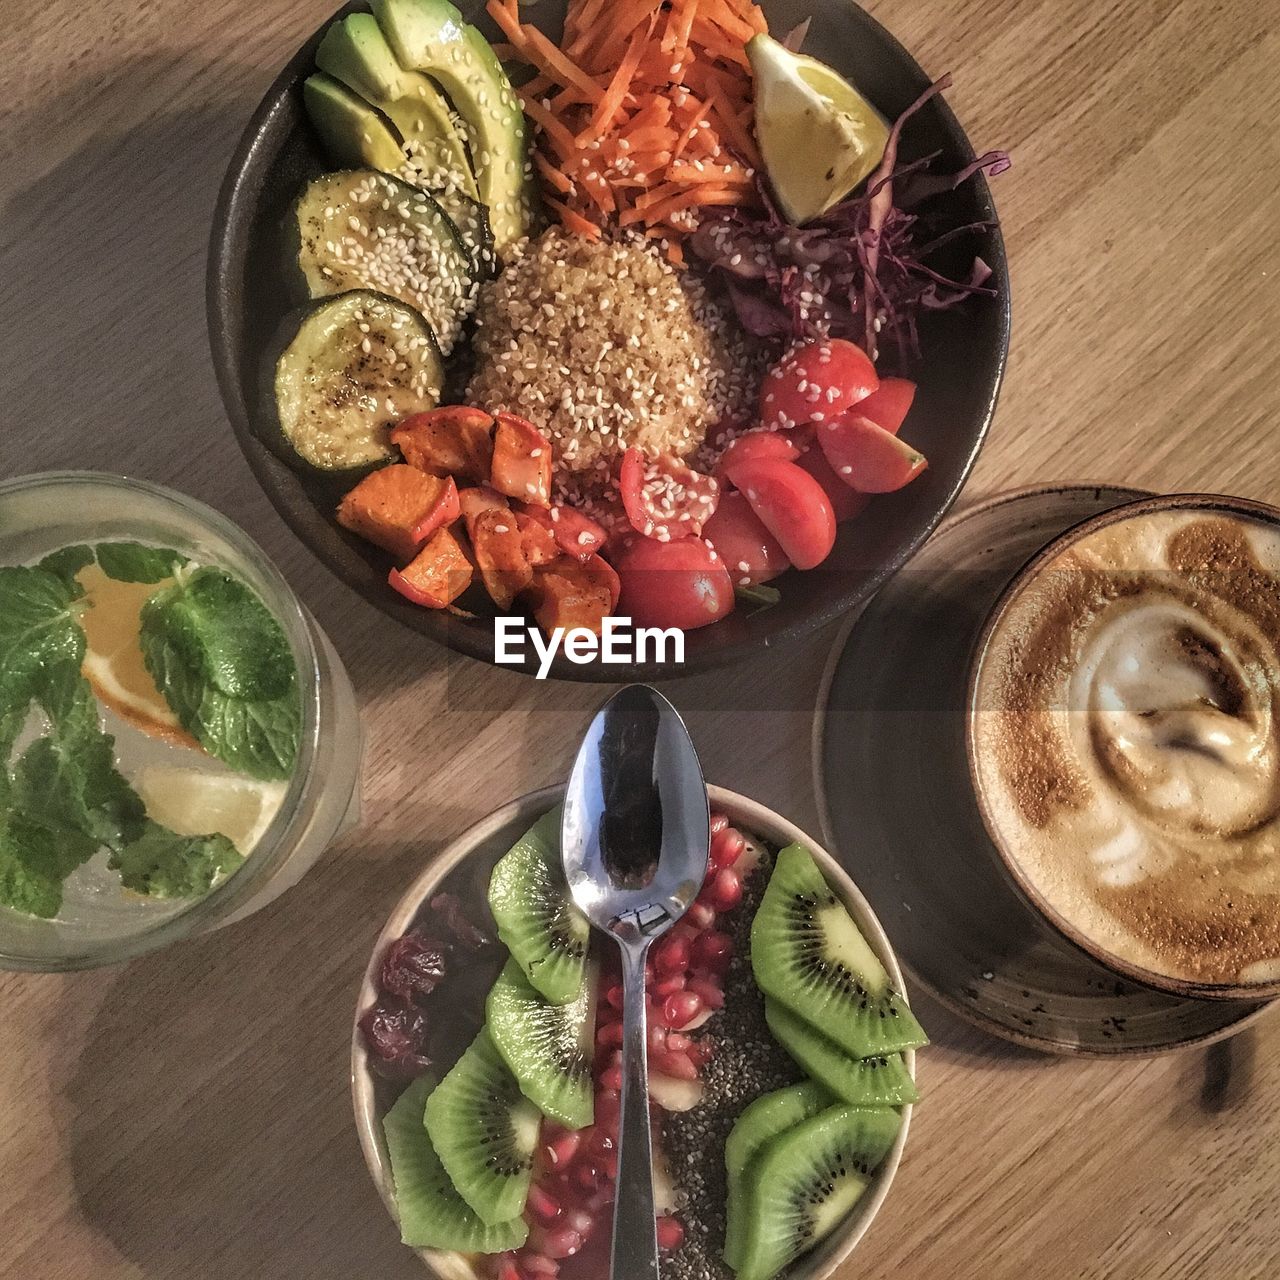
x=186, y=1115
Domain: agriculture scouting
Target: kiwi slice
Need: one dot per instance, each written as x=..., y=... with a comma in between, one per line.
x=432, y=1214
x=763, y=1120
x=807, y=954
x=542, y=928
x=484, y=1131
x=804, y=1181
x=881, y=1081
x=546, y=1046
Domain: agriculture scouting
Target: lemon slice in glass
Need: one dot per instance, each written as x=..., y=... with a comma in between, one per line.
x=194, y=803
x=818, y=135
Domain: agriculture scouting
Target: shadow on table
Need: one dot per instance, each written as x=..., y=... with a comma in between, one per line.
x=208, y=1123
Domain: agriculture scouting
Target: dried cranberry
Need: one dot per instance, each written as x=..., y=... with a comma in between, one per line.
x=412, y=967
x=396, y=1034
x=449, y=909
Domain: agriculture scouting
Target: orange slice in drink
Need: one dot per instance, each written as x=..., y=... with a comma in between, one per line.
x=113, y=657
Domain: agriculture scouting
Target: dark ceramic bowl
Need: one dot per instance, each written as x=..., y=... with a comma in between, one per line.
x=253, y=289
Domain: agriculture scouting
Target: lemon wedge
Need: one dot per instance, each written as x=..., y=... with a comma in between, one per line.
x=113, y=655
x=194, y=803
x=818, y=135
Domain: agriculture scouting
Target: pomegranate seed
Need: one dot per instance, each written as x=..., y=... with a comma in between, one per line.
x=507, y=1269
x=581, y=1221
x=609, y=1035
x=701, y=914
x=542, y=1204
x=609, y=1163
x=724, y=890
x=718, y=822
x=670, y=1233
x=678, y=1043
x=671, y=955
x=714, y=950
x=589, y=1176
x=679, y=1066
x=601, y=1199
x=602, y=1141
x=700, y=1052
x=563, y=1242
x=669, y=985
x=611, y=1078
x=681, y=1008
x=533, y=1263
x=608, y=1107
x=710, y=991
x=657, y=1035
x=614, y=996
x=727, y=848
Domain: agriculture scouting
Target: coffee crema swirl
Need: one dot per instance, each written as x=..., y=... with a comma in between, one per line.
x=1127, y=740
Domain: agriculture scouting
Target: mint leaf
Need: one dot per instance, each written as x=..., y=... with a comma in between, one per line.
x=66, y=562
x=37, y=631
x=134, y=562
x=162, y=864
x=224, y=666
x=75, y=785
x=34, y=861
x=220, y=628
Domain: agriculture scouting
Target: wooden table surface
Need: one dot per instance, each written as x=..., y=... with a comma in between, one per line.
x=186, y=1115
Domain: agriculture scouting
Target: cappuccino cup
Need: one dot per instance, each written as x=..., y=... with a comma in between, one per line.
x=1123, y=738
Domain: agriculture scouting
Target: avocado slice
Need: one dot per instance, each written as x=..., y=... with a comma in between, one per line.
x=355, y=52
x=355, y=136
x=431, y=36
x=358, y=136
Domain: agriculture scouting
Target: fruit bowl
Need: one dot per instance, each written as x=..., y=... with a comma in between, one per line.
x=252, y=290
x=463, y=869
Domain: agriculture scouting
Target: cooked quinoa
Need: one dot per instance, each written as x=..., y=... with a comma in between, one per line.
x=604, y=345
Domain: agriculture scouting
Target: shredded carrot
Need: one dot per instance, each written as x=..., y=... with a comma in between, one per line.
x=643, y=114
x=574, y=221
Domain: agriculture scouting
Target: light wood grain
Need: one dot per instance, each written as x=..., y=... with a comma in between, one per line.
x=186, y=1115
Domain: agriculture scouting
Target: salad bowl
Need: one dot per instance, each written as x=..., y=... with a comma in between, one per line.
x=253, y=293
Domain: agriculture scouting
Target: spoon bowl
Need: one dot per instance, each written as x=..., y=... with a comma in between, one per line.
x=635, y=838
x=637, y=827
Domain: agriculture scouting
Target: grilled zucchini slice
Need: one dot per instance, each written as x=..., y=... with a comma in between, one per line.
x=358, y=364
x=361, y=229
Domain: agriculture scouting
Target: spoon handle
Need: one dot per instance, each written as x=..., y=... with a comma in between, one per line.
x=635, y=1236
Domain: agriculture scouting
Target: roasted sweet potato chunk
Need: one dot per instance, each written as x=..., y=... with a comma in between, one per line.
x=570, y=593
x=521, y=465
x=499, y=552
x=399, y=507
x=452, y=441
x=437, y=575
x=539, y=539
x=476, y=501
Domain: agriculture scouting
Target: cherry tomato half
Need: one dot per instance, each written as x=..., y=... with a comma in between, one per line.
x=791, y=505
x=680, y=584
x=663, y=498
x=867, y=457
x=889, y=404
x=845, y=502
x=815, y=382
x=749, y=551
x=757, y=444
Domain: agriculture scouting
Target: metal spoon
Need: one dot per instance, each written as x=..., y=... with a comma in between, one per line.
x=635, y=838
